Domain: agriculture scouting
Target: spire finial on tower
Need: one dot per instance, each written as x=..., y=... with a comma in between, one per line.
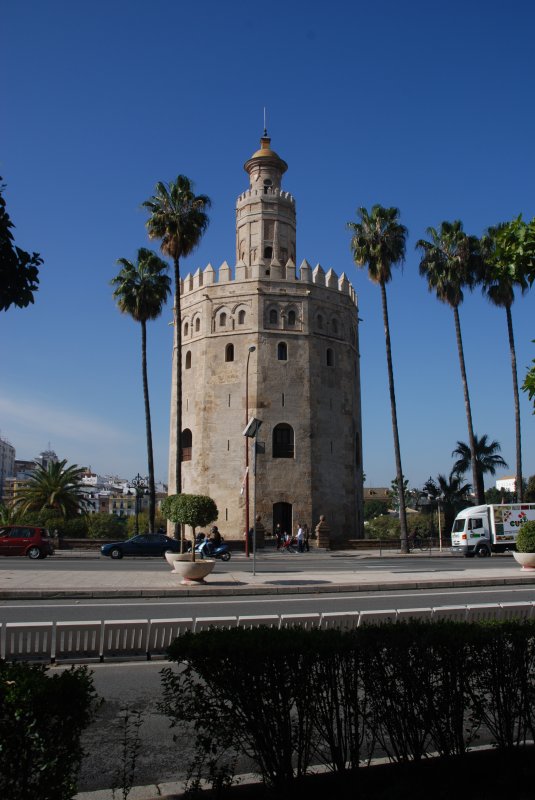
x=265, y=127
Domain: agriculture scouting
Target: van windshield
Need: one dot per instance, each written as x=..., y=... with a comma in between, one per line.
x=458, y=526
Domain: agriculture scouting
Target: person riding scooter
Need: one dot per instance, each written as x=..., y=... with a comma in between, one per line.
x=213, y=542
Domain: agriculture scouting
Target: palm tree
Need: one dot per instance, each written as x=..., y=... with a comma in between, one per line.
x=177, y=217
x=379, y=241
x=141, y=291
x=451, y=262
x=56, y=487
x=505, y=269
x=450, y=494
x=487, y=459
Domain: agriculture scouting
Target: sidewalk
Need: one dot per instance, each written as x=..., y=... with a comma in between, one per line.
x=450, y=571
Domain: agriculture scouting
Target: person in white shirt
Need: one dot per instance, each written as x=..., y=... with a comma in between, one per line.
x=300, y=538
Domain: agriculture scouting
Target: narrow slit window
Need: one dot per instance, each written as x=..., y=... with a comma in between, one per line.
x=186, y=442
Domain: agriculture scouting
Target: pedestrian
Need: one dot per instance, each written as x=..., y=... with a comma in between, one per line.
x=278, y=536
x=306, y=534
x=300, y=537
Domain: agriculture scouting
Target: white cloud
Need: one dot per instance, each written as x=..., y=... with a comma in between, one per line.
x=44, y=422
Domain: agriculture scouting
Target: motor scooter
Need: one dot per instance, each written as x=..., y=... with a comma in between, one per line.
x=205, y=550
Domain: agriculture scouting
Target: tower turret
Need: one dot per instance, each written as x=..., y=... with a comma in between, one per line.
x=265, y=214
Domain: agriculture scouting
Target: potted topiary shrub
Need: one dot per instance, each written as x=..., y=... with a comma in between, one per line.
x=195, y=510
x=525, y=545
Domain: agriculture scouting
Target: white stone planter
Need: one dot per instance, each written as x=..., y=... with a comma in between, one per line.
x=190, y=571
x=526, y=560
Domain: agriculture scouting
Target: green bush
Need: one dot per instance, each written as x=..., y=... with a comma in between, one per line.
x=143, y=523
x=41, y=720
x=384, y=527
x=106, y=526
x=525, y=540
x=420, y=525
x=289, y=698
x=374, y=508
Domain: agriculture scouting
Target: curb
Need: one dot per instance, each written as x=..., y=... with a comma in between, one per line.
x=78, y=594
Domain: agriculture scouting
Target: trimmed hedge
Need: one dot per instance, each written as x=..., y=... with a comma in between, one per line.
x=41, y=720
x=292, y=698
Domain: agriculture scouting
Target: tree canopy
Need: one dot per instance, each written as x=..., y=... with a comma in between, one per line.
x=55, y=487
x=196, y=510
x=19, y=273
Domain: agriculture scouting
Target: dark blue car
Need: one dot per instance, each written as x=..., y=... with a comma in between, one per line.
x=146, y=544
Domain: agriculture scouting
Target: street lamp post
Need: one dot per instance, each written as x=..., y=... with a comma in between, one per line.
x=139, y=484
x=439, y=526
x=251, y=349
x=251, y=432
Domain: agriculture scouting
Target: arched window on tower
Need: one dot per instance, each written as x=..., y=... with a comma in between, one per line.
x=334, y=326
x=291, y=317
x=241, y=317
x=268, y=252
x=222, y=319
x=283, y=441
x=229, y=352
x=330, y=357
x=267, y=185
x=186, y=442
x=188, y=360
x=273, y=317
x=319, y=322
x=186, y=329
x=197, y=325
x=282, y=351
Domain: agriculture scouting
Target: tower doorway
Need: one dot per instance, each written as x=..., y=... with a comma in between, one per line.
x=282, y=515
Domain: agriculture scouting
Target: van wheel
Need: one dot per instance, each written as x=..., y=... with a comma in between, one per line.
x=34, y=553
x=483, y=551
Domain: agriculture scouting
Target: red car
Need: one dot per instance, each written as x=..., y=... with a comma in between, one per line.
x=25, y=540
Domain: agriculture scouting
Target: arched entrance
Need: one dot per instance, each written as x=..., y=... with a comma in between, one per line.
x=282, y=515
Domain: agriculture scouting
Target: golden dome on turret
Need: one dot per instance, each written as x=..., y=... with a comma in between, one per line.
x=267, y=153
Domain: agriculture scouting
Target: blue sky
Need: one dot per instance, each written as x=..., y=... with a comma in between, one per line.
x=425, y=106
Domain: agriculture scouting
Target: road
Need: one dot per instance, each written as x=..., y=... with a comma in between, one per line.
x=124, y=608
x=270, y=562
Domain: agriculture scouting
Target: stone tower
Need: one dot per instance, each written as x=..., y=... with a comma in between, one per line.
x=285, y=342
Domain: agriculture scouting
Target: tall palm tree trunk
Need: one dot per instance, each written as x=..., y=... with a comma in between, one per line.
x=519, y=488
x=476, y=483
x=148, y=426
x=397, y=451
x=178, y=389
